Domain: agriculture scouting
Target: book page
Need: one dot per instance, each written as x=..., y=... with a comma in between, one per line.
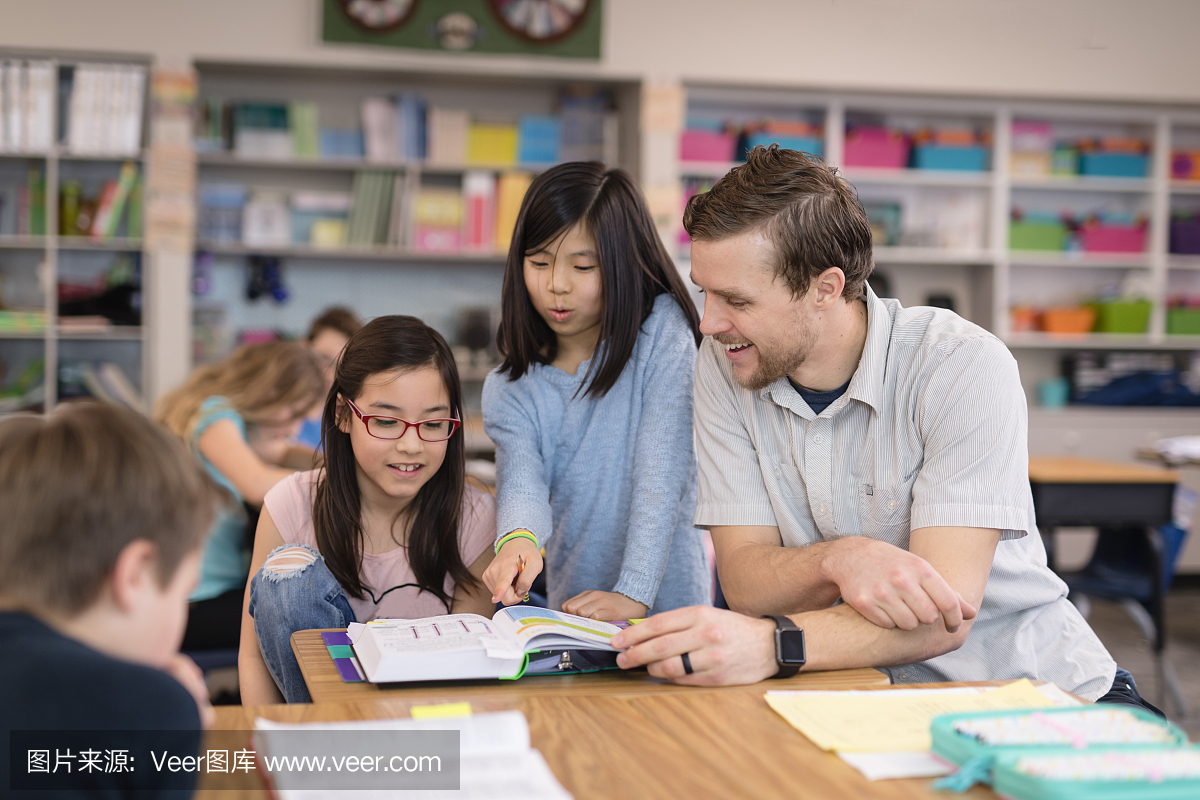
x=533, y=628
x=445, y=634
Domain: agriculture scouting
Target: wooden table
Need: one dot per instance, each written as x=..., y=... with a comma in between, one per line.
x=325, y=684
x=695, y=744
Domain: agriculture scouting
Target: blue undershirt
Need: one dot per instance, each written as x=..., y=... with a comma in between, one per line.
x=819, y=401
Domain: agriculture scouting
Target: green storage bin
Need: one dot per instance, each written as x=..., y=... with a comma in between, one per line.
x=1037, y=235
x=1123, y=316
x=1183, y=321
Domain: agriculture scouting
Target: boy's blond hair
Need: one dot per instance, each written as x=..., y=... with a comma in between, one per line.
x=258, y=380
x=81, y=483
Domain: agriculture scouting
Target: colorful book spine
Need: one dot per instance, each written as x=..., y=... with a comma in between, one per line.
x=479, y=211
x=112, y=202
x=510, y=192
x=493, y=144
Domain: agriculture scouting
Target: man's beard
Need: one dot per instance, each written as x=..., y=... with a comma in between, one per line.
x=774, y=364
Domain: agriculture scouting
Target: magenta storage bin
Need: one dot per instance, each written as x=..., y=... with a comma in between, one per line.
x=1113, y=239
x=1185, y=236
x=702, y=145
x=875, y=147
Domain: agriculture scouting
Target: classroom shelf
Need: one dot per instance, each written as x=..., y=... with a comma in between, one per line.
x=1185, y=187
x=917, y=177
x=706, y=169
x=1100, y=341
x=23, y=155
x=234, y=161
x=1176, y=261
x=365, y=253
x=1033, y=258
x=23, y=242
x=22, y=335
x=1083, y=183
x=64, y=155
x=87, y=243
x=931, y=255
x=118, y=333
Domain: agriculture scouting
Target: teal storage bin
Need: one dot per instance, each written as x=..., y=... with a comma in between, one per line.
x=1114, y=165
x=805, y=144
x=965, y=159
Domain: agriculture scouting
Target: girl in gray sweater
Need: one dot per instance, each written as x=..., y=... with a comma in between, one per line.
x=591, y=409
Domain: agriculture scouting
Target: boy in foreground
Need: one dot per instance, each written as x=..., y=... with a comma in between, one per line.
x=104, y=514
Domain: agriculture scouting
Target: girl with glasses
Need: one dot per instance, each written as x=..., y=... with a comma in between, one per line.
x=389, y=527
x=591, y=410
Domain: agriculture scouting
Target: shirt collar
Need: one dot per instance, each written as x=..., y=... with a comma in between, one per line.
x=866, y=384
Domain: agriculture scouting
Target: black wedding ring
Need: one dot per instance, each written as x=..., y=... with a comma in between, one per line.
x=687, y=664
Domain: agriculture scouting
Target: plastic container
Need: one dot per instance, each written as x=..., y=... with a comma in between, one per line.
x=964, y=159
x=805, y=144
x=1122, y=316
x=1027, y=235
x=702, y=145
x=1023, y=319
x=1029, y=165
x=1185, y=165
x=1114, y=165
x=1113, y=239
x=1183, y=321
x=1074, y=319
x=1185, y=236
x=876, y=147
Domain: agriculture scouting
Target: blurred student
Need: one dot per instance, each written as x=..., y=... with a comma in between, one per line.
x=327, y=336
x=388, y=528
x=239, y=417
x=591, y=410
x=104, y=517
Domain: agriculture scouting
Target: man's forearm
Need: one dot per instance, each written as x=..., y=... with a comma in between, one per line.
x=841, y=638
x=767, y=579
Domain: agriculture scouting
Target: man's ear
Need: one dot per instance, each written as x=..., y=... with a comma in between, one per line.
x=134, y=574
x=828, y=287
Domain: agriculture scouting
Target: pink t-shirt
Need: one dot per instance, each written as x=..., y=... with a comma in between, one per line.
x=388, y=575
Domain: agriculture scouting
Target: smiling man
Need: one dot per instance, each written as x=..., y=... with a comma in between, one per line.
x=851, y=448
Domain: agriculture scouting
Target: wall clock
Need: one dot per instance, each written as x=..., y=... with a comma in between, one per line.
x=540, y=21
x=378, y=15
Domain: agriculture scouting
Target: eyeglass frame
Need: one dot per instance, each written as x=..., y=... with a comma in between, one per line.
x=457, y=423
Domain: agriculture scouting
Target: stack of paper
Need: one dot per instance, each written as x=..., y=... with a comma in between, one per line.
x=885, y=733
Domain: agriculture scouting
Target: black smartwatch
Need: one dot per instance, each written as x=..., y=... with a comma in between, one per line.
x=789, y=646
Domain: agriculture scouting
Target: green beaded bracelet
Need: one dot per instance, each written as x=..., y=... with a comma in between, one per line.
x=508, y=537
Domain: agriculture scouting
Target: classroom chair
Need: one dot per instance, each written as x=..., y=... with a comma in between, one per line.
x=1134, y=567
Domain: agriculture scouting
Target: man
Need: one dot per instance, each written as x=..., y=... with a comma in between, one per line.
x=851, y=448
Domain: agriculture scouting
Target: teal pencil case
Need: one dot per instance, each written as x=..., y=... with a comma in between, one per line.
x=1100, y=773
x=985, y=743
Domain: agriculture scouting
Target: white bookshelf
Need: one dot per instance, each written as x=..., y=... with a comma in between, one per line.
x=42, y=258
x=988, y=280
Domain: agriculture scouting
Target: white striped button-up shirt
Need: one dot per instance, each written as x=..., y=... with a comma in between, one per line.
x=932, y=431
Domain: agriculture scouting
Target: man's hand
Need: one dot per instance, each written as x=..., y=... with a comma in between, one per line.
x=724, y=648
x=894, y=588
x=504, y=577
x=184, y=670
x=605, y=606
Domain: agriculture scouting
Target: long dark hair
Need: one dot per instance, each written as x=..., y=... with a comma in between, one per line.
x=383, y=345
x=634, y=268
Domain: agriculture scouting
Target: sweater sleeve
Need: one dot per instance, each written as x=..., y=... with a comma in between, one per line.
x=665, y=463
x=522, y=485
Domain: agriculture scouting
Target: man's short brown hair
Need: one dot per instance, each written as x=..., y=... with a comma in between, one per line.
x=81, y=483
x=335, y=318
x=810, y=214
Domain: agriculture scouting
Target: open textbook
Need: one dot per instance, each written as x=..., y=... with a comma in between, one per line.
x=519, y=640
x=493, y=760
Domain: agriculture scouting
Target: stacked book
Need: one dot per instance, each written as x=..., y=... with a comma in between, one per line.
x=105, y=110
x=27, y=91
x=373, y=219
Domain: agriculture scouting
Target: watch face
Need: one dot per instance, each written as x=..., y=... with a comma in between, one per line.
x=791, y=647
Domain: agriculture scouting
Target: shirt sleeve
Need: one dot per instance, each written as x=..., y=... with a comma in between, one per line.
x=663, y=469
x=286, y=503
x=730, y=487
x=522, y=486
x=974, y=428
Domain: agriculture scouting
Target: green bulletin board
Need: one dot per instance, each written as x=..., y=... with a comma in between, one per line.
x=463, y=26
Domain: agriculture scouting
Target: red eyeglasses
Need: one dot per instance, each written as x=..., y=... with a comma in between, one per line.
x=428, y=430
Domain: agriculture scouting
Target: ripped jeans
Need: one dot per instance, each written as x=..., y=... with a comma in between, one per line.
x=294, y=591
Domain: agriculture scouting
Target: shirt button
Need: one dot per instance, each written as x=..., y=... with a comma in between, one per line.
x=821, y=511
x=778, y=474
x=817, y=439
x=891, y=503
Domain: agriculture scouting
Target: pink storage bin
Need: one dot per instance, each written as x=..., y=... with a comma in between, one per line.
x=702, y=145
x=1113, y=239
x=876, y=147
